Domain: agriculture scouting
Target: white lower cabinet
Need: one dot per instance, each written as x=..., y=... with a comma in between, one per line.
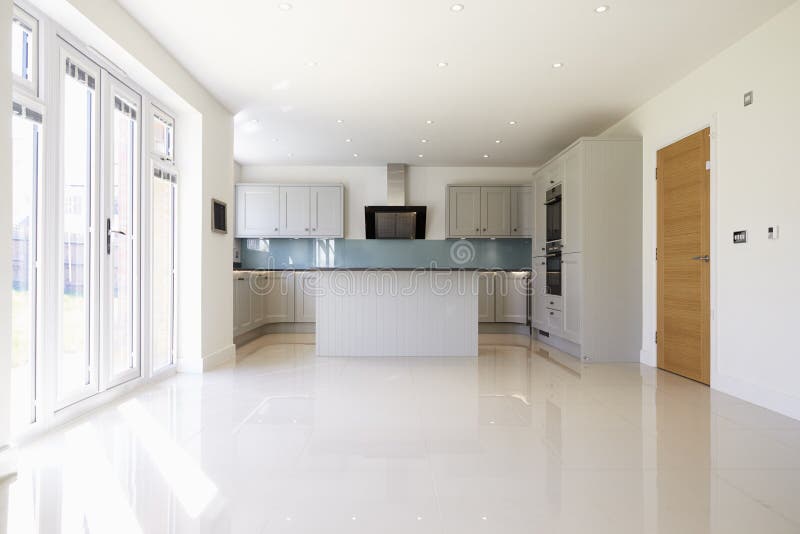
x=243, y=312
x=262, y=298
x=503, y=297
x=486, y=303
x=279, y=297
x=538, y=299
x=305, y=297
x=571, y=290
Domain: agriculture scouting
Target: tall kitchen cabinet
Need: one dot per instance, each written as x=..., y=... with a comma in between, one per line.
x=598, y=315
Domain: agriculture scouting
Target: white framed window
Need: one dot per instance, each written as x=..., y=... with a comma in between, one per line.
x=27, y=133
x=25, y=51
x=163, y=240
x=163, y=135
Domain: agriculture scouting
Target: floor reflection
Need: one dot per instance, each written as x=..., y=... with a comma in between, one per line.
x=523, y=438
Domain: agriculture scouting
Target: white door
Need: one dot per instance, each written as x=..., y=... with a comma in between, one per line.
x=511, y=298
x=486, y=290
x=326, y=211
x=521, y=211
x=294, y=211
x=305, y=297
x=572, y=203
x=464, y=211
x=538, y=302
x=279, y=294
x=495, y=211
x=119, y=264
x=77, y=366
x=571, y=276
x=257, y=210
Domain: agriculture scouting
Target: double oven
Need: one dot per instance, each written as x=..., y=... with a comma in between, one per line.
x=554, y=240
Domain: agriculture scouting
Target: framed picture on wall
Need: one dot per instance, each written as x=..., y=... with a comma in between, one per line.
x=219, y=216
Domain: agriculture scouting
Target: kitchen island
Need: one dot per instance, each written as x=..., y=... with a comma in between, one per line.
x=397, y=313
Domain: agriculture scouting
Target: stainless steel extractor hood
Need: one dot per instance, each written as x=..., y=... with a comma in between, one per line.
x=395, y=220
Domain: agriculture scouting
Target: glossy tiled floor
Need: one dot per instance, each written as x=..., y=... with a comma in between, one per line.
x=519, y=440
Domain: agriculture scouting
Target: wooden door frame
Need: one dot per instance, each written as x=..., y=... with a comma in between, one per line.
x=711, y=124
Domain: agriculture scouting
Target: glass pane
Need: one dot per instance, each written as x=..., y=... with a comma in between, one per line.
x=21, y=50
x=78, y=159
x=123, y=174
x=162, y=137
x=25, y=146
x=163, y=250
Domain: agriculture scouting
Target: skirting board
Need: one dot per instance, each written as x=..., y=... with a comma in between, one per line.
x=201, y=365
x=647, y=357
x=766, y=398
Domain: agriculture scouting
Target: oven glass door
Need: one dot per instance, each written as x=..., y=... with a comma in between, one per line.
x=554, y=274
x=554, y=220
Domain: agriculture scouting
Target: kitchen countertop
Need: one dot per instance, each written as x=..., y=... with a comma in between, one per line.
x=443, y=269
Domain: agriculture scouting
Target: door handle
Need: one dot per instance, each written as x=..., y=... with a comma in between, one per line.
x=705, y=258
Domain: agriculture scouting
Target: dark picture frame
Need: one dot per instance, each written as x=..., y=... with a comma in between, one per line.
x=219, y=216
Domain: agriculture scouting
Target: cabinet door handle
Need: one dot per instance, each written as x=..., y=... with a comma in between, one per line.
x=515, y=229
x=484, y=229
x=551, y=313
x=277, y=230
x=477, y=229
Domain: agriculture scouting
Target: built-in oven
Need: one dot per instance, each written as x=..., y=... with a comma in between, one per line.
x=553, y=276
x=553, y=237
x=553, y=207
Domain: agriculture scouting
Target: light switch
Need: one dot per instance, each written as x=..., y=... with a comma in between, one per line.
x=772, y=232
x=739, y=237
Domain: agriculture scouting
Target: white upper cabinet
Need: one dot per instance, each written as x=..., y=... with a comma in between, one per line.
x=489, y=211
x=495, y=211
x=522, y=211
x=326, y=211
x=464, y=205
x=289, y=210
x=257, y=211
x=295, y=211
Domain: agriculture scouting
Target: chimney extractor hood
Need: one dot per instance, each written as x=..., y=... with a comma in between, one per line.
x=395, y=220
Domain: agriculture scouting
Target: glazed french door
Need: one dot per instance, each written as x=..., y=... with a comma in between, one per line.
x=99, y=257
x=119, y=256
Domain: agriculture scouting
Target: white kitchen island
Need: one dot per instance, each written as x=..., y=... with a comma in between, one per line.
x=397, y=313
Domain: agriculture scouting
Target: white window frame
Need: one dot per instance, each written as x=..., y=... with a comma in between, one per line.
x=37, y=380
x=158, y=111
x=30, y=87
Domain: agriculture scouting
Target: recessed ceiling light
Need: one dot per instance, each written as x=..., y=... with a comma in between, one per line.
x=348, y=140
x=557, y=65
x=428, y=121
x=442, y=64
x=498, y=141
x=289, y=155
x=340, y=121
x=312, y=63
x=275, y=139
x=457, y=7
x=601, y=9
x=423, y=140
x=512, y=123
x=420, y=155
x=486, y=155
x=285, y=6
x=355, y=155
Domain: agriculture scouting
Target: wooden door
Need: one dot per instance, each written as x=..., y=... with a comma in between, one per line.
x=495, y=211
x=464, y=211
x=684, y=318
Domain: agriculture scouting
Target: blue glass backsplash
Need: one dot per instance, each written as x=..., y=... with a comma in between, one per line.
x=378, y=253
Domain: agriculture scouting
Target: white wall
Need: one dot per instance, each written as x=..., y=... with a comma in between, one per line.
x=204, y=154
x=757, y=184
x=5, y=225
x=366, y=186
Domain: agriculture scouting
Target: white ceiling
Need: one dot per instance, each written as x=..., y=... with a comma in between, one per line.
x=374, y=65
